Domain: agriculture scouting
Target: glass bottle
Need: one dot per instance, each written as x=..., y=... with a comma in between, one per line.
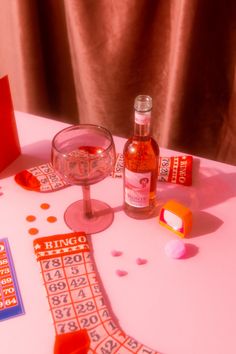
x=141, y=157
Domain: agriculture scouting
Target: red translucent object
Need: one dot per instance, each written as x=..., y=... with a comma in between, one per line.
x=72, y=343
x=28, y=181
x=91, y=149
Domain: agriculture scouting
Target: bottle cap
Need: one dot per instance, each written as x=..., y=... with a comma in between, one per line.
x=143, y=103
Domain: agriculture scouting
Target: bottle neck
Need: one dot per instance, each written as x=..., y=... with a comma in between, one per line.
x=142, y=122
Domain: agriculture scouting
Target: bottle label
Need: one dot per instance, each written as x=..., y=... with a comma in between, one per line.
x=142, y=118
x=137, y=188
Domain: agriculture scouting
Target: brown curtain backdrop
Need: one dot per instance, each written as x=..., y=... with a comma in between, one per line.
x=86, y=60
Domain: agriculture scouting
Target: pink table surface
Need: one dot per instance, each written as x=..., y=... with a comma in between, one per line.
x=174, y=306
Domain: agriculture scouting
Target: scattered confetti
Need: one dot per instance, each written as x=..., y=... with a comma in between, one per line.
x=121, y=273
x=33, y=231
x=141, y=261
x=30, y=218
x=115, y=253
x=45, y=206
x=51, y=219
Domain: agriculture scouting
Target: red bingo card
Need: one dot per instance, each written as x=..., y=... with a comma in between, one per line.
x=75, y=296
x=10, y=300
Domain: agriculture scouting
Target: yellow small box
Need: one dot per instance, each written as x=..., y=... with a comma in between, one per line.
x=176, y=217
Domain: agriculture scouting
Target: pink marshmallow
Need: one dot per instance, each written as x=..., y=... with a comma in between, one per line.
x=175, y=249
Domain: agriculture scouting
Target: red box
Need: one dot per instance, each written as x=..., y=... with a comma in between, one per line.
x=9, y=142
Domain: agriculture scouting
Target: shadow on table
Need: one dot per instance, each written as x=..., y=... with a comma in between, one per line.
x=204, y=223
x=211, y=186
x=207, y=191
x=32, y=155
x=191, y=251
x=118, y=208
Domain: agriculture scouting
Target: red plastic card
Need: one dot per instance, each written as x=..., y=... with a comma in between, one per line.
x=9, y=143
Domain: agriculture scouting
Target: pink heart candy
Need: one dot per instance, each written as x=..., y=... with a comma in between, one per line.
x=115, y=253
x=141, y=261
x=121, y=273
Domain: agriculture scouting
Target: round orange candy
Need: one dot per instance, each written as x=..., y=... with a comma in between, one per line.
x=33, y=231
x=51, y=219
x=30, y=218
x=45, y=206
